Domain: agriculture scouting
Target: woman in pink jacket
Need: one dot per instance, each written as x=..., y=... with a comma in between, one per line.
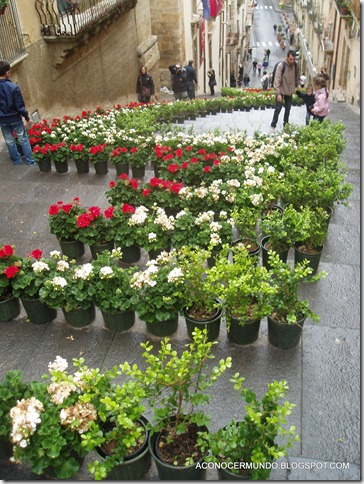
x=321, y=107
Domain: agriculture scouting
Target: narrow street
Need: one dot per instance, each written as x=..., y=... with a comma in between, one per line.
x=262, y=37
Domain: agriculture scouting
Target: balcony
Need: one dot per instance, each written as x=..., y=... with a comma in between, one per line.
x=61, y=19
x=327, y=46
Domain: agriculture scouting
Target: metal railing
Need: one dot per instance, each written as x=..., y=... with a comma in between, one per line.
x=11, y=41
x=61, y=18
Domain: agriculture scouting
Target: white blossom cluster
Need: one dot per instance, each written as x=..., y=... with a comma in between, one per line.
x=40, y=266
x=145, y=278
x=25, y=417
x=59, y=364
x=162, y=219
x=139, y=217
x=84, y=271
x=62, y=266
x=59, y=391
x=58, y=283
x=106, y=272
x=78, y=416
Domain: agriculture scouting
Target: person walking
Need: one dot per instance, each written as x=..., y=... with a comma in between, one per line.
x=246, y=80
x=309, y=99
x=265, y=81
x=255, y=62
x=267, y=52
x=275, y=29
x=12, y=110
x=212, y=81
x=286, y=80
x=191, y=79
x=303, y=80
x=179, y=81
x=260, y=67
x=321, y=107
x=144, y=86
x=232, y=80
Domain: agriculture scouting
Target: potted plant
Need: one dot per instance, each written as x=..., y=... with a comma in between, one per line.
x=242, y=287
x=47, y=425
x=277, y=238
x=243, y=447
x=138, y=160
x=245, y=219
x=99, y=155
x=126, y=222
x=124, y=190
x=202, y=308
x=63, y=224
x=164, y=193
x=41, y=156
x=34, y=270
x=70, y=287
x=108, y=417
x=58, y=153
x=155, y=234
x=114, y=295
x=120, y=157
x=95, y=229
x=309, y=230
x=176, y=387
x=160, y=290
x=78, y=154
x=287, y=312
x=12, y=389
x=9, y=267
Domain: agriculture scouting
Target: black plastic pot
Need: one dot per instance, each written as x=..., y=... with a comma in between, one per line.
x=163, y=328
x=138, y=171
x=98, y=248
x=45, y=165
x=212, y=325
x=313, y=259
x=38, y=312
x=245, y=334
x=9, y=309
x=119, y=320
x=282, y=254
x=284, y=336
x=80, y=317
x=72, y=248
x=61, y=166
x=122, y=168
x=131, y=254
x=82, y=166
x=167, y=472
x=101, y=167
x=135, y=466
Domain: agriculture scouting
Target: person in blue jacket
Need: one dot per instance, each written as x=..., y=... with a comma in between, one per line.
x=309, y=99
x=12, y=110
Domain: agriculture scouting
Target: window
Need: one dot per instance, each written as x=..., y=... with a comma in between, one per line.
x=11, y=41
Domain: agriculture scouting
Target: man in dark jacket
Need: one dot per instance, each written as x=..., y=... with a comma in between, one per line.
x=191, y=79
x=179, y=81
x=12, y=110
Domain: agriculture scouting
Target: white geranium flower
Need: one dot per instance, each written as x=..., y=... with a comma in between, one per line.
x=40, y=266
x=58, y=364
x=58, y=282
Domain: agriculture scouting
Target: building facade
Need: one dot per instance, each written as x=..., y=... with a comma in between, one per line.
x=328, y=35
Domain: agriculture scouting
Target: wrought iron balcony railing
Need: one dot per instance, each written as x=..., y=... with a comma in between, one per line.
x=65, y=18
x=11, y=41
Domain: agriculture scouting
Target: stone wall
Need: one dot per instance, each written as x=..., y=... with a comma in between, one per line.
x=167, y=24
x=66, y=76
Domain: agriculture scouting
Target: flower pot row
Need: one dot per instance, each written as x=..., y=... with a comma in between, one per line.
x=83, y=167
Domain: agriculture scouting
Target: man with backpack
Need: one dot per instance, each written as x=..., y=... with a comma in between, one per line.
x=286, y=79
x=265, y=81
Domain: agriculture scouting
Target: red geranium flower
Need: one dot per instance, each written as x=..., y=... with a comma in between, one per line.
x=145, y=192
x=6, y=251
x=53, y=210
x=201, y=151
x=184, y=165
x=112, y=184
x=194, y=160
x=207, y=169
x=37, y=254
x=84, y=220
x=67, y=207
x=94, y=211
x=217, y=162
x=11, y=271
x=126, y=208
x=123, y=176
x=173, y=168
x=109, y=212
x=179, y=152
x=188, y=148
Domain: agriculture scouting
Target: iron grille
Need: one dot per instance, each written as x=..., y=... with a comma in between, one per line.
x=62, y=18
x=11, y=41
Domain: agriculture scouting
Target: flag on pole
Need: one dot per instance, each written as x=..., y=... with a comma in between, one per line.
x=206, y=9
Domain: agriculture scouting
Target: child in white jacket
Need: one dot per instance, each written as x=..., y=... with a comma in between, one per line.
x=321, y=107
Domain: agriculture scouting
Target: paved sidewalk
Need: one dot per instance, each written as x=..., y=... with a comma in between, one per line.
x=323, y=372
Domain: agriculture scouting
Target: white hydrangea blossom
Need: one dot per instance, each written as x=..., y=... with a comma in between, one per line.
x=25, y=417
x=59, y=364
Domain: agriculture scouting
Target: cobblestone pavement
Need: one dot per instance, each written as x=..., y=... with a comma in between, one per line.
x=323, y=372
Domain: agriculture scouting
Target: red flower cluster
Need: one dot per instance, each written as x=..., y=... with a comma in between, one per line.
x=94, y=150
x=118, y=152
x=11, y=271
x=6, y=251
x=64, y=207
x=55, y=147
x=129, y=181
x=126, y=208
x=36, y=254
x=79, y=147
x=165, y=185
